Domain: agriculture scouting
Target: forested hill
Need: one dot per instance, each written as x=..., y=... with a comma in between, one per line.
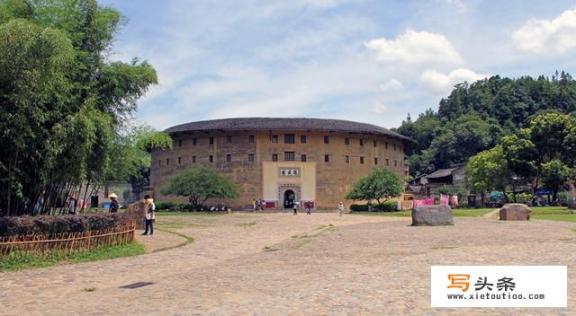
x=475, y=116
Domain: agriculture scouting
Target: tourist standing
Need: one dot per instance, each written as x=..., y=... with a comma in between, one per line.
x=340, y=208
x=308, y=207
x=254, y=205
x=114, y=206
x=71, y=205
x=295, y=206
x=150, y=215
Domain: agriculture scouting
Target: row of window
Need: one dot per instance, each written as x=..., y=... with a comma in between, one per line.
x=288, y=156
x=288, y=139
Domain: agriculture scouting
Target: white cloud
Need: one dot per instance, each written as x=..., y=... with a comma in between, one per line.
x=379, y=108
x=392, y=85
x=414, y=47
x=555, y=36
x=442, y=83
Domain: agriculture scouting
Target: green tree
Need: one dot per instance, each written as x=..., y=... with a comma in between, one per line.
x=199, y=184
x=63, y=102
x=487, y=171
x=475, y=114
x=544, y=152
x=555, y=174
x=461, y=139
x=380, y=185
x=131, y=155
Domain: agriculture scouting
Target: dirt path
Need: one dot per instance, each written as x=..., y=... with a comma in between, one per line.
x=217, y=238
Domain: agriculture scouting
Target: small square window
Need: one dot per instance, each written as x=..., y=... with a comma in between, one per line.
x=251, y=157
x=193, y=159
x=361, y=160
x=211, y=158
x=326, y=139
x=228, y=158
x=274, y=157
x=303, y=158
x=326, y=158
x=375, y=160
x=211, y=140
x=194, y=141
x=303, y=139
x=180, y=143
x=375, y=143
x=394, y=147
x=251, y=139
x=289, y=138
x=289, y=156
x=387, y=162
x=179, y=160
x=347, y=159
x=167, y=161
x=274, y=139
x=347, y=141
x=361, y=142
x=228, y=139
x=386, y=145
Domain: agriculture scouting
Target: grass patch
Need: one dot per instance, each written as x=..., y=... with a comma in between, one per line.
x=246, y=225
x=306, y=238
x=89, y=289
x=269, y=248
x=554, y=213
x=19, y=261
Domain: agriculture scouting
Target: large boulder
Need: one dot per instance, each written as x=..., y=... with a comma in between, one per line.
x=432, y=215
x=515, y=212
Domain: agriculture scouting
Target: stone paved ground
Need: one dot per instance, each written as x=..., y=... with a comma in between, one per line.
x=278, y=264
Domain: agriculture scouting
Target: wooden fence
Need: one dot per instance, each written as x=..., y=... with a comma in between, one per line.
x=66, y=243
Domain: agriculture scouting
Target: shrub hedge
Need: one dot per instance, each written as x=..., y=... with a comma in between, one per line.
x=46, y=224
x=181, y=207
x=388, y=206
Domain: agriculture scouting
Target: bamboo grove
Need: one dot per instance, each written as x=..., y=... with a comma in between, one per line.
x=65, y=106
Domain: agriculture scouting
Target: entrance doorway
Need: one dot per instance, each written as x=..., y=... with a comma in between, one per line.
x=289, y=198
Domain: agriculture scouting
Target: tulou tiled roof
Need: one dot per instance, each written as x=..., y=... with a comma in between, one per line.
x=284, y=124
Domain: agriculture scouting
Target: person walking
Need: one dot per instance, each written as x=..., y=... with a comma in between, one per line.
x=150, y=214
x=114, y=206
x=340, y=208
x=295, y=206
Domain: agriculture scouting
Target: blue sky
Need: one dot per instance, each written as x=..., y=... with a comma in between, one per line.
x=372, y=61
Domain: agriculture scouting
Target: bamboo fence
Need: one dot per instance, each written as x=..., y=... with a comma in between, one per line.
x=66, y=243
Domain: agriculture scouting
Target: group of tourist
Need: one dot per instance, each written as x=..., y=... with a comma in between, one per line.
x=258, y=205
x=149, y=211
x=308, y=207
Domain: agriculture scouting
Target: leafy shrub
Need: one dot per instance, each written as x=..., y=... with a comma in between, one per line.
x=388, y=206
x=359, y=208
x=165, y=205
x=519, y=198
x=50, y=225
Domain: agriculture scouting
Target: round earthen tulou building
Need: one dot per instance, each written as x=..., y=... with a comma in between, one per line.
x=282, y=160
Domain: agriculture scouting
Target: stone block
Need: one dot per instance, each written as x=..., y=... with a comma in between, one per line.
x=433, y=215
x=515, y=212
